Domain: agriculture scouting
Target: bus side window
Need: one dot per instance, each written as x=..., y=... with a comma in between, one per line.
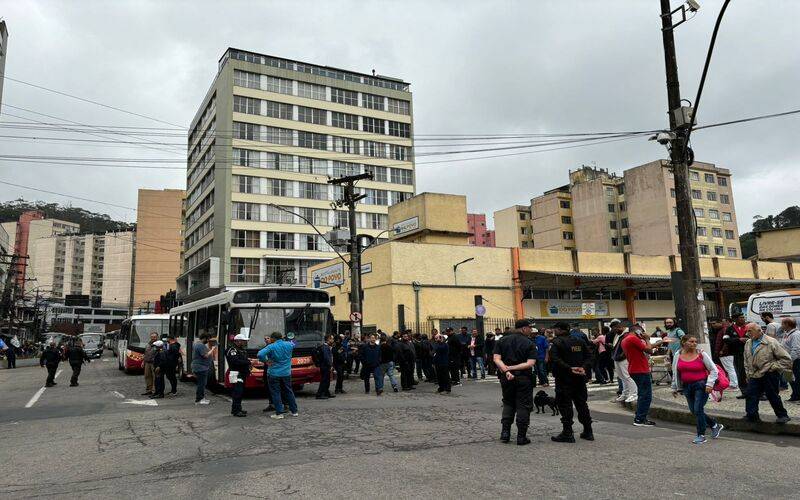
x=213, y=321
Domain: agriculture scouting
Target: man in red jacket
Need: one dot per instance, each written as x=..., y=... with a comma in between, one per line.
x=635, y=347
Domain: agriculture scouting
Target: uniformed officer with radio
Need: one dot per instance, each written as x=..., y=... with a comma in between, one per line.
x=514, y=356
x=571, y=360
x=238, y=361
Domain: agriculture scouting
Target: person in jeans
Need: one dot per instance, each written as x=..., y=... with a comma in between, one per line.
x=764, y=360
x=627, y=387
x=278, y=357
x=694, y=375
x=370, y=355
x=476, y=351
x=388, y=354
x=201, y=365
x=149, y=369
x=635, y=346
x=792, y=344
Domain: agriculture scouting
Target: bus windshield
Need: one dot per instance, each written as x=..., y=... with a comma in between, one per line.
x=305, y=326
x=141, y=329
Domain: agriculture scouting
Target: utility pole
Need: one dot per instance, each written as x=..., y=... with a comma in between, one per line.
x=694, y=315
x=350, y=199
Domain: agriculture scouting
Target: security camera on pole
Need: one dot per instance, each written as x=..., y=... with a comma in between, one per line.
x=350, y=199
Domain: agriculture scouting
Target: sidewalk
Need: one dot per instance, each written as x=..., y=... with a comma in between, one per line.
x=730, y=412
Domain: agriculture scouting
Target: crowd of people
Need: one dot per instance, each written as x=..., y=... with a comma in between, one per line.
x=11, y=348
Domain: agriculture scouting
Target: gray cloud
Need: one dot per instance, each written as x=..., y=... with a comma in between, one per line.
x=475, y=67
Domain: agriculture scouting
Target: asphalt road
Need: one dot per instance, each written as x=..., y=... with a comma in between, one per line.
x=99, y=441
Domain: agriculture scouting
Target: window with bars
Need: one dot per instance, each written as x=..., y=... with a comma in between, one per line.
x=312, y=141
x=711, y=196
x=247, y=105
x=241, y=238
x=244, y=270
x=399, y=129
x=279, y=85
x=312, y=115
x=311, y=91
x=280, y=241
x=716, y=232
x=372, y=101
x=724, y=199
x=399, y=106
x=344, y=120
x=373, y=125
x=279, y=110
x=344, y=96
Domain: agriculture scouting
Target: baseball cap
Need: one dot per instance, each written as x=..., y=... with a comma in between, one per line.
x=241, y=336
x=522, y=323
x=158, y=343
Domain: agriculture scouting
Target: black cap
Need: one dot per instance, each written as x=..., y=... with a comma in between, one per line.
x=522, y=323
x=562, y=326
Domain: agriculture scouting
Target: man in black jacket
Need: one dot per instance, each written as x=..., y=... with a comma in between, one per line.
x=76, y=357
x=571, y=360
x=159, y=365
x=477, y=345
x=325, y=366
x=515, y=356
x=425, y=358
x=239, y=362
x=406, y=358
x=489, y=351
x=340, y=356
x=172, y=357
x=50, y=359
x=454, y=352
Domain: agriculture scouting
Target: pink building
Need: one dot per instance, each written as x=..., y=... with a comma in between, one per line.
x=480, y=236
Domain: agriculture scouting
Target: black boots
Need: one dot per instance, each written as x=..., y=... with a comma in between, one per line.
x=587, y=433
x=566, y=436
x=505, y=434
x=522, y=438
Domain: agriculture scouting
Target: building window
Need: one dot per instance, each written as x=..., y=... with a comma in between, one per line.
x=244, y=270
x=372, y=101
x=727, y=217
x=279, y=110
x=702, y=231
x=699, y=212
x=245, y=239
x=374, y=149
x=376, y=197
x=315, y=216
x=246, y=184
x=343, y=168
x=279, y=187
x=246, y=79
x=732, y=252
x=609, y=191
x=626, y=240
x=674, y=211
x=713, y=214
x=716, y=232
x=729, y=234
x=399, y=106
x=522, y=216
x=379, y=174
x=703, y=249
x=695, y=176
x=312, y=141
x=614, y=242
x=377, y=221
x=277, y=135
x=246, y=105
x=311, y=191
x=709, y=178
x=373, y=125
x=398, y=129
x=344, y=96
x=245, y=211
x=312, y=115
x=621, y=189
x=711, y=196
x=275, y=161
x=245, y=131
x=624, y=223
x=312, y=165
x=724, y=199
x=568, y=235
x=612, y=224
x=564, y=204
x=402, y=176
x=279, y=271
x=622, y=206
x=722, y=181
x=281, y=241
x=672, y=192
x=279, y=85
x=344, y=120
x=676, y=229
x=274, y=214
x=342, y=219
x=566, y=220
x=402, y=153
x=612, y=208
x=697, y=194
x=719, y=250
x=311, y=91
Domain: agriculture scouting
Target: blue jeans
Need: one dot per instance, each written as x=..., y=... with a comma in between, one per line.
x=202, y=379
x=540, y=372
x=388, y=369
x=281, y=389
x=644, y=386
x=474, y=362
x=376, y=373
x=696, y=398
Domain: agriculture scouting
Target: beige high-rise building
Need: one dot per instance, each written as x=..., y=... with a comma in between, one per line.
x=512, y=227
x=158, y=244
x=599, y=211
x=278, y=129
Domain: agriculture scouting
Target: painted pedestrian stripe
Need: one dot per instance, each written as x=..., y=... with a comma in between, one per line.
x=38, y=394
x=142, y=402
x=118, y=394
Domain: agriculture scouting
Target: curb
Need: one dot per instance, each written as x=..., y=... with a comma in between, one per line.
x=675, y=413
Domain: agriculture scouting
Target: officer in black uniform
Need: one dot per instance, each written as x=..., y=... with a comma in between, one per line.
x=514, y=356
x=76, y=357
x=571, y=359
x=236, y=355
x=50, y=358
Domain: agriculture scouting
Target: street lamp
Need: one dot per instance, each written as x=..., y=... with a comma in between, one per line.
x=455, y=269
x=417, y=287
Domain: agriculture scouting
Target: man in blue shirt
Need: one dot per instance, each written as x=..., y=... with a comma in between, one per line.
x=278, y=356
x=542, y=345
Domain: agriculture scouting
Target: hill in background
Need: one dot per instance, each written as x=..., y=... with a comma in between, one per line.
x=91, y=222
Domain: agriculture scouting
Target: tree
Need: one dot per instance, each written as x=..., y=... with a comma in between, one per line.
x=789, y=217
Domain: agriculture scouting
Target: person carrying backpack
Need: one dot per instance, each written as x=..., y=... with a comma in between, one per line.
x=629, y=392
x=695, y=375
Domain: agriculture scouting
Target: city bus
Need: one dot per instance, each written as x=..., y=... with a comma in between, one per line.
x=133, y=337
x=302, y=315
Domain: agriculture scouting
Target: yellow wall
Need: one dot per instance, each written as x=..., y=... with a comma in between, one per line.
x=545, y=260
x=772, y=270
x=778, y=244
x=442, y=218
x=650, y=265
x=731, y=268
x=604, y=263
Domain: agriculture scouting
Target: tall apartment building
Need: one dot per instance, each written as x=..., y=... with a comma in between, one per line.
x=272, y=131
x=93, y=265
x=480, y=235
x=158, y=244
x=599, y=211
x=512, y=227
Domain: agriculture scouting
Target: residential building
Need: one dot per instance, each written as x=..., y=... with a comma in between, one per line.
x=158, y=244
x=279, y=129
x=551, y=220
x=512, y=227
x=778, y=244
x=482, y=236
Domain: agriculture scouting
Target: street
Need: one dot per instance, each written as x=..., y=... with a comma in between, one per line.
x=102, y=439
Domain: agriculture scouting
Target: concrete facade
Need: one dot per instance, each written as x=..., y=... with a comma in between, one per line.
x=317, y=116
x=779, y=244
x=481, y=235
x=512, y=227
x=158, y=244
x=552, y=220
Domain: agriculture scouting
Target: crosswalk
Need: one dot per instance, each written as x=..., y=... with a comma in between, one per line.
x=591, y=388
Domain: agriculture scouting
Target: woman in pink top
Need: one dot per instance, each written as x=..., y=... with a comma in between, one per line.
x=694, y=375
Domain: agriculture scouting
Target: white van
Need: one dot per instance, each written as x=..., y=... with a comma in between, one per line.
x=781, y=303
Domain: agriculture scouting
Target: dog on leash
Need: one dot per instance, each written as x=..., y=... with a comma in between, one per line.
x=542, y=399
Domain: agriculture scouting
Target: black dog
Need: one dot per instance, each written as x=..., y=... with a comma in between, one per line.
x=542, y=399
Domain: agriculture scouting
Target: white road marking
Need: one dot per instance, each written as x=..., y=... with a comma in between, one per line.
x=143, y=402
x=39, y=393
x=118, y=394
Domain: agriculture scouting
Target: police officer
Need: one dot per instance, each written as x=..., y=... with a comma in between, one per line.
x=236, y=355
x=76, y=357
x=514, y=356
x=50, y=358
x=571, y=360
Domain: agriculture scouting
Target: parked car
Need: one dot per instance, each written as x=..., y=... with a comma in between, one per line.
x=92, y=344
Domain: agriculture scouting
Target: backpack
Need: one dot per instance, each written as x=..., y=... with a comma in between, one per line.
x=619, y=354
x=720, y=385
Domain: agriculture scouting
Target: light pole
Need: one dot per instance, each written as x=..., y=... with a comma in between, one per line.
x=417, y=287
x=455, y=269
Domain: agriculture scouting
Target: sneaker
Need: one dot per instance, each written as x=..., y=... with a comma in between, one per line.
x=239, y=414
x=277, y=416
x=699, y=439
x=171, y=394
x=563, y=438
x=395, y=388
x=644, y=423
x=716, y=430
x=782, y=420
x=619, y=398
x=295, y=414
x=631, y=399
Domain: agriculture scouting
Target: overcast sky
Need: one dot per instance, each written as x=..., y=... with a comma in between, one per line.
x=474, y=67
